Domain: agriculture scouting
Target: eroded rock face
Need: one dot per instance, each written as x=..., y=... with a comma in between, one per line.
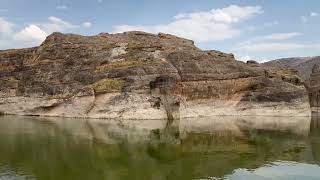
x=136, y=75
x=303, y=65
x=308, y=69
x=314, y=88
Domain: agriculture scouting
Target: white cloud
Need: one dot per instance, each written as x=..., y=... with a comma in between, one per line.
x=244, y=58
x=56, y=20
x=277, y=43
x=272, y=43
x=62, y=7
x=205, y=26
x=87, y=24
x=34, y=33
x=6, y=27
x=281, y=36
x=305, y=18
x=31, y=33
x=56, y=24
x=38, y=32
x=266, y=39
x=231, y=14
x=271, y=47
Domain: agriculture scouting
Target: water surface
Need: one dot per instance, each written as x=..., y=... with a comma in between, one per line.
x=204, y=148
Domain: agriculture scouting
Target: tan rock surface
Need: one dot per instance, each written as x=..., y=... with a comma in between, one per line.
x=136, y=75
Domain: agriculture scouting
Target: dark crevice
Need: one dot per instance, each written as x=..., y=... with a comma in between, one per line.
x=163, y=89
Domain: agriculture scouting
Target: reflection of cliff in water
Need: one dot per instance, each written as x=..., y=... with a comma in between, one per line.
x=315, y=137
x=185, y=149
x=315, y=123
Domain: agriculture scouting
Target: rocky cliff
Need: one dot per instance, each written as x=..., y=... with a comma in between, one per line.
x=313, y=86
x=308, y=69
x=136, y=75
x=303, y=65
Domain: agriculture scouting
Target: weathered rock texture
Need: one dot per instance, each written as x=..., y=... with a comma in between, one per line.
x=137, y=75
x=313, y=86
x=303, y=65
x=308, y=69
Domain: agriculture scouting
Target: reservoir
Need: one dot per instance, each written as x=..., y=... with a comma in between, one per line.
x=204, y=148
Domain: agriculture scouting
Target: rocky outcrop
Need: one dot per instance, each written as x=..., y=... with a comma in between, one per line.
x=314, y=88
x=136, y=75
x=308, y=70
x=303, y=65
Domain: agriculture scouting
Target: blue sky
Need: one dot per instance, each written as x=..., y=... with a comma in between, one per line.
x=251, y=29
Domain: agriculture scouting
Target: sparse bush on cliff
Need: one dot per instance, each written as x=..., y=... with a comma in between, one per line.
x=108, y=85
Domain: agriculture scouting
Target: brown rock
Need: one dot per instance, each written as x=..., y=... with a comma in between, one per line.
x=308, y=69
x=314, y=88
x=137, y=75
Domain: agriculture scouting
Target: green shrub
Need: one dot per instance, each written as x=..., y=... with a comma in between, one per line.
x=108, y=85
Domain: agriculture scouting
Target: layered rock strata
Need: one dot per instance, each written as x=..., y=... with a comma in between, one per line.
x=314, y=88
x=136, y=75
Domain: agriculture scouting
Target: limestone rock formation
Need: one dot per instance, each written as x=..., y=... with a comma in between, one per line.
x=308, y=70
x=314, y=88
x=303, y=65
x=137, y=75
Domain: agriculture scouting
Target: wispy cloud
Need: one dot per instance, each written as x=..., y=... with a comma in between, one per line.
x=281, y=36
x=270, y=38
x=271, y=47
x=56, y=24
x=272, y=43
x=205, y=26
x=305, y=18
x=264, y=51
x=87, y=24
x=6, y=27
x=62, y=7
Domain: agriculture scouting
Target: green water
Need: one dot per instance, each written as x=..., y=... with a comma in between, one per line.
x=207, y=148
